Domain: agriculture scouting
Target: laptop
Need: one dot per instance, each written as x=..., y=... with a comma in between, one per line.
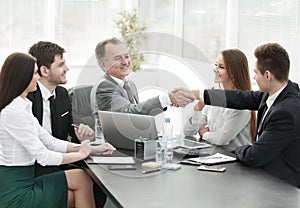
x=121, y=129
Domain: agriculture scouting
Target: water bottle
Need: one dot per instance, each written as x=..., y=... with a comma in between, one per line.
x=99, y=137
x=160, y=151
x=168, y=138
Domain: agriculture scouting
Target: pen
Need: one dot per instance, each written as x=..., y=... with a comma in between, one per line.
x=151, y=170
x=190, y=163
x=210, y=157
x=75, y=126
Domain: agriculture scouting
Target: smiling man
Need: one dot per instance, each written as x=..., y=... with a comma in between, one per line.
x=56, y=115
x=277, y=144
x=117, y=93
x=56, y=118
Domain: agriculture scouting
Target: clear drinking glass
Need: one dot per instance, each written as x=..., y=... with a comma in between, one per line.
x=99, y=137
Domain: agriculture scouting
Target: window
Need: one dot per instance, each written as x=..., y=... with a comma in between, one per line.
x=271, y=21
x=159, y=15
x=81, y=24
x=205, y=25
x=21, y=24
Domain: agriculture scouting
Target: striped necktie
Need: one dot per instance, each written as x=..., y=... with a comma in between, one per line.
x=129, y=92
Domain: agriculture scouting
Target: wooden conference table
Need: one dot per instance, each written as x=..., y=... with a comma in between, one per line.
x=237, y=187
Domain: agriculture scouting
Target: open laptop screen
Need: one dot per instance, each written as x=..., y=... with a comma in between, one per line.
x=121, y=129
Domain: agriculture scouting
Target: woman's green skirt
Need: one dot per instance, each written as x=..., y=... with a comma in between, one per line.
x=19, y=188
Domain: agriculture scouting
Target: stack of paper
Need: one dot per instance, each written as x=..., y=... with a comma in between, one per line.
x=214, y=159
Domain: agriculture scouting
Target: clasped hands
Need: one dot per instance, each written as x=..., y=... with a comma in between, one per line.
x=86, y=148
x=180, y=97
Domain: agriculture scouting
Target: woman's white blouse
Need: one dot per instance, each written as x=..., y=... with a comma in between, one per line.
x=227, y=127
x=23, y=140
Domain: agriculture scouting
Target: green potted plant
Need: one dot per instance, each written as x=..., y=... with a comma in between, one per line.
x=132, y=30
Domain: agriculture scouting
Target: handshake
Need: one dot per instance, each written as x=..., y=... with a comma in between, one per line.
x=180, y=97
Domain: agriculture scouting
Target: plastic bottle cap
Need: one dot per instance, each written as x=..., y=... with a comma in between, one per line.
x=167, y=120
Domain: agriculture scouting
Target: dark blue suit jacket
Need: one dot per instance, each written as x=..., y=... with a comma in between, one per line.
x=277, y=148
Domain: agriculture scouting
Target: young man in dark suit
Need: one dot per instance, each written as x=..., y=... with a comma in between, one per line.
x=277, y=144
x=52, y=107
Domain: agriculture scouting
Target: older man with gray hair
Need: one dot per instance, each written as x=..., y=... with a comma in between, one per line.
x=117, y=93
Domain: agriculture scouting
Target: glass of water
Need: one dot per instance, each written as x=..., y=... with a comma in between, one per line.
x=99, y=137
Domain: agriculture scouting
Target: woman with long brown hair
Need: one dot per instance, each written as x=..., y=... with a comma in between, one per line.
x=23, y=141
x=222, y=126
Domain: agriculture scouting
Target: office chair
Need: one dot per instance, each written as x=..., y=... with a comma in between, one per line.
x=81, y=105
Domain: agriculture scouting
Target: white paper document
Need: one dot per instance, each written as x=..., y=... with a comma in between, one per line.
x=111, y=160
x=214, y=159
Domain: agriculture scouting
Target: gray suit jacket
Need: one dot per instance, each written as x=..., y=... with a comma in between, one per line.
x=111, y=97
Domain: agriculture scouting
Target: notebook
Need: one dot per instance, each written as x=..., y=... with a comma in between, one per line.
x=111, y=160
x=121, y=129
